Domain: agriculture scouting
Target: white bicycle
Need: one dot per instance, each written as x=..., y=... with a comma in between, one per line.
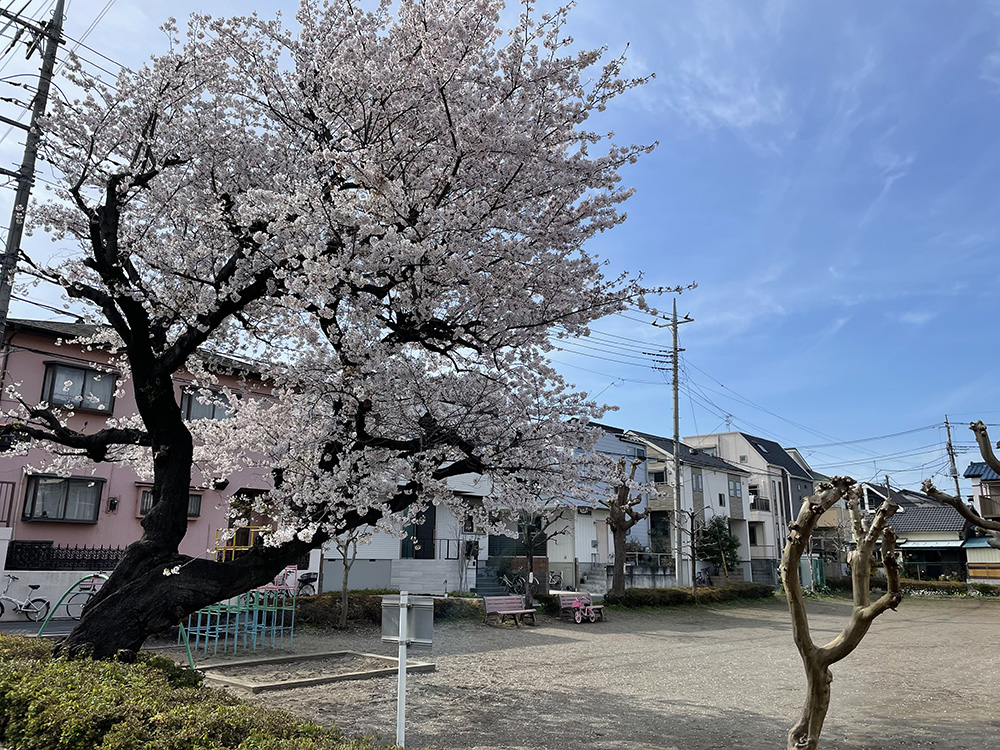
x=34, y=609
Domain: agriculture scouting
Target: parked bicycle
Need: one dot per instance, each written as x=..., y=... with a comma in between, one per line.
x=513, y=582
x=34, y=609
x=306, y=584
x=555, y=580
x=703, y=578
x=76, y=603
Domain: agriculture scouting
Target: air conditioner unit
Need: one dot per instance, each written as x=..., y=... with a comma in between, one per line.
x=593, y=543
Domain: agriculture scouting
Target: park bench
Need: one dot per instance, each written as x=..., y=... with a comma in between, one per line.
x=566, y=602
x=503, y=607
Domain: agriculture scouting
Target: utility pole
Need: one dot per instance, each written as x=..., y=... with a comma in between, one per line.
x=678, y=547
x=49, y=34
x=951, y=458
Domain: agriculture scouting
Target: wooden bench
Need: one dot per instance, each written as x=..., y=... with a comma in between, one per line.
x=502, y=607
x=566, y=602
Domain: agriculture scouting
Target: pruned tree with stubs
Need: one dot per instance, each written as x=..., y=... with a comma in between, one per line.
x=386, y=212
x=991, y=526
x=869, y=536
x=623, y=497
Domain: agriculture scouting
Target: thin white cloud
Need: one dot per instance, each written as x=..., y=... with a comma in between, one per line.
x=917, y=317
x=719, y=77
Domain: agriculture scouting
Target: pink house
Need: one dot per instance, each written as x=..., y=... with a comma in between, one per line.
x=43, y=516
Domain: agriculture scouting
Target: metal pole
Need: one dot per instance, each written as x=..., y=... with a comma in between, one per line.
x=26, y=174
x=401, y=691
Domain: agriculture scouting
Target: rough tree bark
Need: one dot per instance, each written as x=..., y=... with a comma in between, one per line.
x=817, y=660
x=622, y=516
x=967, y=512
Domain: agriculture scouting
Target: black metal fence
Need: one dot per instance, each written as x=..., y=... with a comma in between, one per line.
x=22, y=555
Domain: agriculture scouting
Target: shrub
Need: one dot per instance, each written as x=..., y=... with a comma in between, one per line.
x=672, y=597
x=910, y=586
x=365, y=607
x=59, y=704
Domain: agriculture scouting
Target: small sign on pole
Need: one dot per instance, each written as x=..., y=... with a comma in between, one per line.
x=408, y=621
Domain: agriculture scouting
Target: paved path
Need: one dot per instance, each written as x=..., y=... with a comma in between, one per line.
x=683, y=679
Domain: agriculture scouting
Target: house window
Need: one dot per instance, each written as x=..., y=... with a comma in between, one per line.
x=753, y=535
x=722, y=499
x=658, y=477
x=195, y=406
x=79, y=387
x=696, y=482
x=735, y=488
x=146, y=503
x=75, y=500
x=637, y=452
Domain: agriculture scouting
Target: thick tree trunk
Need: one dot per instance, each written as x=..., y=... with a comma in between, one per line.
x=806, y=732
x=139, y=600
x=618, y=572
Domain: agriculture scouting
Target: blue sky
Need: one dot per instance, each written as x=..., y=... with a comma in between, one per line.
x=826, y=173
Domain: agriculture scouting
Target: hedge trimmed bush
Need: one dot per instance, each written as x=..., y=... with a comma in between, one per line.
x=56, y=704
x=706, y=595
x=910, y=586
x=365, y=607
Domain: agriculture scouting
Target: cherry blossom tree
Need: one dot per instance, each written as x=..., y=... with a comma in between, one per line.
x=386, y=209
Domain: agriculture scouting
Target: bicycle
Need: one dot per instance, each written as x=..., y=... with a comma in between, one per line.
x=703, y=578
x=306, y=587
x=79, y=600
x=514, y=583
x=34, y=609
x=555, y=580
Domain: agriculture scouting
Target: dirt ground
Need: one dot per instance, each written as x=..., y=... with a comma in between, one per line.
x=725, y=676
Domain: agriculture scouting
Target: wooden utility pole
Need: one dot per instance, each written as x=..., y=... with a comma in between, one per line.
x=678, y=548
x=951, y=459
x=50, y=35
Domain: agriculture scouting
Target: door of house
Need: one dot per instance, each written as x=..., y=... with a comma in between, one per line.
x=602, y=541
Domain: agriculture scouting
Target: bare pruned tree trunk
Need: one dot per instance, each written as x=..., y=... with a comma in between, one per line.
x=818, y=659
x=968, y=513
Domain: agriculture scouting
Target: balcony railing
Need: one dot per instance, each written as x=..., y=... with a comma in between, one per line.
x=438, y=549
x=760, y=503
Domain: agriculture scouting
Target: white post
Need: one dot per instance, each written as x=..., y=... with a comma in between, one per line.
x=401, y=690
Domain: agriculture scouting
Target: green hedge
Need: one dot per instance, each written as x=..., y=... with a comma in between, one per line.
x=706, y=595
x=153, y=704
x=910, y=586
x=365, y=607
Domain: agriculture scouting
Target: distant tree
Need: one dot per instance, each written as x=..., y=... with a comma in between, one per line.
x=992, y=527
x=817, y=660
x=536, y=528
x=621, y=499
x=347, y=547
x=717, y=545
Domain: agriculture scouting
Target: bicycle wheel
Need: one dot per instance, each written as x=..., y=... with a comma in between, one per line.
x=519, y=585
x=592, y=616
x=555, y=581
x=36, y=609
x=577, y=616
x=76, y=603
x=535, y=586
x=307, y=589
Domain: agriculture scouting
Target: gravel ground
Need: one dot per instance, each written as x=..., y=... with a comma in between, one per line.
x=725, y=676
